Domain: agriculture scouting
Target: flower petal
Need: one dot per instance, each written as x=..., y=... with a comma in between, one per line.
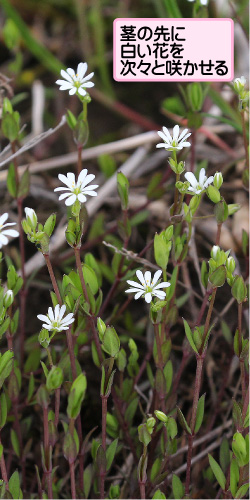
x=71, y=72
x=164, y=284
x=82, y=176
x=42, y=317
x=66, y=76
x=81, y=70
x=88, y=77
x=176, y=131
x=202, y=176
x=81, y=197
x=71, y=200
x=138, y=295
x=140, y=277
x=148, y=297
x=183, y=133
x=86, y=180
x=81, y=91
x=209, y=181
x=191, y=178
x=167, y=133
x=159, y=294
x=10, y=232
x=3, y=240
x=3, y=218
x=135, y=284
x=157, y=275
x=51, y=314
x=148, y=278
x=73, y=91
x=63, y=196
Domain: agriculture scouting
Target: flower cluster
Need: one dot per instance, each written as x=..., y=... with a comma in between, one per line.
x=4, y=233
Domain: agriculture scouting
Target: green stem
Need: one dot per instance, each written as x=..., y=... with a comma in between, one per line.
x=53, y=278
x=242, y=363
x=3, y=469
x=245, y=138
x=200, y=361
x=80, y=272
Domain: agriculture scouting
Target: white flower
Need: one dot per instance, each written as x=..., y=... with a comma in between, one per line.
x=31, y=217
x=6, y=232
x=202, y=2
x=79, y=190
x=198, y=187
x=148, y=287
x=176, y=142
x=54, y=320
x=76, y=82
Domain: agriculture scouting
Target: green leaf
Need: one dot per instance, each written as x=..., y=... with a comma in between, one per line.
x=217, y=472
x=11, y=181
x=239, y=290
x=111, y=342
x=183, y=421
x=107, y=164
x=200, y=413
x=87, y=479
x=131, y=410
x=168, y=374
x=177, y=486
x=3, y=410
x=24, y=184
x=14, y=486
x=15, y=442
x=241, y=492
x=110, y=453
x=234, y=476
x=218, y=277
x=76, y=396
x=159, y=495
x=172, y=8
x=189, y=336
x=224, y=454
x=123, y=188
x=144, y=435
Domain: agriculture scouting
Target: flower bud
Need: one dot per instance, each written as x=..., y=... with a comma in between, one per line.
x=218, y=180
x=214, y=251
x=31, y=217
x=150, y=424
x=8, y=299
x=233, y=208
x=239, y=84
x=161, y=416
x=230, y=265
x=101, y=327
x=169, y=232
